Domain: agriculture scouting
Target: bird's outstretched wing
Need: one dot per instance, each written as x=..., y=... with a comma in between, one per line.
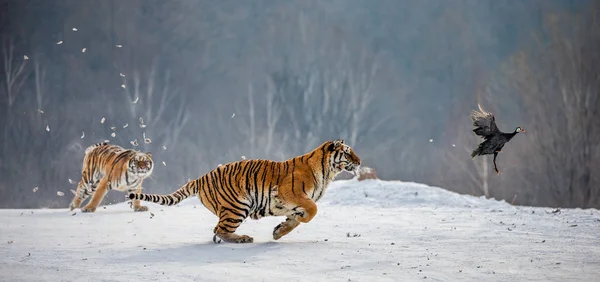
x=484, y=122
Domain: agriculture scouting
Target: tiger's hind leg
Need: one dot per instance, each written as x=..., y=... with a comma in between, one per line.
x=97, y=197
x=225, y=229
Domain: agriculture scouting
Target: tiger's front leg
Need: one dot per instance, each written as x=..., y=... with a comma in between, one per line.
x=285, y=227
x=136, y=205
x=300, y=208
x=81, y=194
x=97, y=196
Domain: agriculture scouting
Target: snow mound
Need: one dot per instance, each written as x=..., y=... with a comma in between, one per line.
x=388, y=194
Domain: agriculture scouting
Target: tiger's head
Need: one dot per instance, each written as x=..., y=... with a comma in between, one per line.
x=140, y=164
x=342, y=157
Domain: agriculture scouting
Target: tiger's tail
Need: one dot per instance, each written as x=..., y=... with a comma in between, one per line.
x=174, y=198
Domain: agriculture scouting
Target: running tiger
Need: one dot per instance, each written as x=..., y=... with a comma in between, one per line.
x=259, y=188
x=107, y=167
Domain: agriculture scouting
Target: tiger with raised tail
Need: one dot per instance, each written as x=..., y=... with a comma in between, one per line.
x=111, y=167
x=258, y=188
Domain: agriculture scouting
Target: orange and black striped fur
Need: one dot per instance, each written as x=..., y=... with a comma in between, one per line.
x=259, y=188
x=107, y=167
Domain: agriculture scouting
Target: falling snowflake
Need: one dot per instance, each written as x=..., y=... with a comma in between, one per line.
x=40, y=111
x=71, y=181
x=25, y=57
x=453, y=145
x=141, y=120
x=113, y=135
x=165, y=164
x=35, y=189
x=164, y=148
x=430, y=140
x=233, y=115
x=142, y=125
x=106, y=141
x=59, y=193
x=102, y=120
x=74, y=29
x=134, y=142
x=82, y=134
x=243, y=157
x=48, y=128
x=123, y=86
x=121, y=74
x=136, y=100
x=73, y=191
x=59, y=42
x=114, y=128
x=126, y=125
x=83, y=50
x=146, y=140
x=119, y=45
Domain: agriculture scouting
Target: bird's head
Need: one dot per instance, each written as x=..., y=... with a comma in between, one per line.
x=519, y=129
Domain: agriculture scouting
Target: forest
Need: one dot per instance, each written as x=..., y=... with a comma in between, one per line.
x=201, y=83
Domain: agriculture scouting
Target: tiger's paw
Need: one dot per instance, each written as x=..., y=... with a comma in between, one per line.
x=284, y=228
x=237, y=239
x=276, y=231
x=140, y=209
x=244, y=239
x=88, y=209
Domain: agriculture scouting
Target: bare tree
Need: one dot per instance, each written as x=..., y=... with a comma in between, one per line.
x=148, y=96
x=322, y=90
x=14, y=71
x=40, y=86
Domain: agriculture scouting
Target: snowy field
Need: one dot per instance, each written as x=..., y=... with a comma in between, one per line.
x=364, y=231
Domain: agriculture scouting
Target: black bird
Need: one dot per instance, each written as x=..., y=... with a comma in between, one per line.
x=485, y=126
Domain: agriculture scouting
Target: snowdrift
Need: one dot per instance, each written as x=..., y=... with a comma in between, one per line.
x=386, y=194
x=370, y=230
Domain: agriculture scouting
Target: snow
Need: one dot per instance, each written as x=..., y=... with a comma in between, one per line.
x=370, y=230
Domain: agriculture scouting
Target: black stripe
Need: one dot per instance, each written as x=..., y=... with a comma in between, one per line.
x=266, y=194
x=303, y=188
x=293, y=178
x=260, y=190
x=323, y=162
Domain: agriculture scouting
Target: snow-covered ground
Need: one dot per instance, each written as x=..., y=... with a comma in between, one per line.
x=364, y=231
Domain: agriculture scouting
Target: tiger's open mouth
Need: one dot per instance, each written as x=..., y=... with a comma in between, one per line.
x=143, y=171
x=351, y=167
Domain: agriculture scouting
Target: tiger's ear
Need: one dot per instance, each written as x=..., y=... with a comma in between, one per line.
x=336, y=144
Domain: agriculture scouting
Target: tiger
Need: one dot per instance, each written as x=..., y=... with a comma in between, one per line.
x=258, y=188
x=107, y=167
